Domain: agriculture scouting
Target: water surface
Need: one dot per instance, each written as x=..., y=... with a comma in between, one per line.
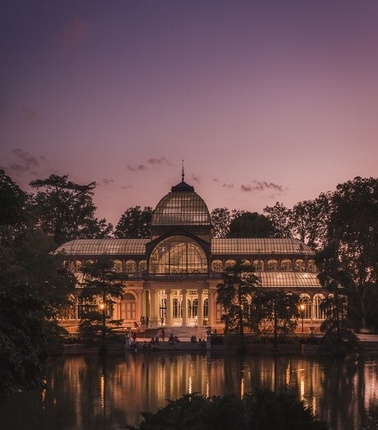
x=90, y=393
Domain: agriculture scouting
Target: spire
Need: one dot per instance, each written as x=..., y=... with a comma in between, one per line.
x=182, y=186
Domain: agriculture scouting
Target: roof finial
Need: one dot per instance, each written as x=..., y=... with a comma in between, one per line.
x=182, y=172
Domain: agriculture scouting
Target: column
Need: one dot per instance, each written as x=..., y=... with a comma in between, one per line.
x=211, y=307
x=169, y=308
x=200, y=308
x=184, y=309
x=140, y=305
x=154, y=314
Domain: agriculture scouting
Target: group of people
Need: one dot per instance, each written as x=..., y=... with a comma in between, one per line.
x=202, y=342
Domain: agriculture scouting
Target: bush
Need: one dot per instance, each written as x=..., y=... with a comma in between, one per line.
x=261, y=410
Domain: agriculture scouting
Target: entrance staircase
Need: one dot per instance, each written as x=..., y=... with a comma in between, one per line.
x=183, y=333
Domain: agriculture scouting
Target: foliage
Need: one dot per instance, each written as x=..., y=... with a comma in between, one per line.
x=221, y=219
x=250, y=224
x=65, y=210
x=279, y=216
x=135, y=223
x=101, y=282
x=260, y=410
x=12, y=202
x=338, y=282
x=278, y=411
x=306, y=221
x=234, y=294
x=33, y=286
x=276, y=309
x=353, y=228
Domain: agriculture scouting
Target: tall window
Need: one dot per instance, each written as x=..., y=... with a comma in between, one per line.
x=319, y=313
x=178, y=254
x=306, y=301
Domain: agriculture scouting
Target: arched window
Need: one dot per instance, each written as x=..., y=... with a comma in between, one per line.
x=272, y=265
x=319, y=312
x=142, y=265
x=299, y=265
x=230, y=263
x=130, y=266
x=258, y=265
x=217, y=266
x=286, y=265
x=117, y=265
x=306, y=301
x=178, y=254
x=245, y=262
x=192, y=308
x=311, y=266
x=206, y=309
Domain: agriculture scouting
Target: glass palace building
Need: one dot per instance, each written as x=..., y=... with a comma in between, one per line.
x=173, y=275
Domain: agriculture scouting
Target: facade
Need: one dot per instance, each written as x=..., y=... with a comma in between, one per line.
x=173, y=275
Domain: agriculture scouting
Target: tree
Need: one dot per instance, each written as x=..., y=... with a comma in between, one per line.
x=33, y=283
x=66, y=211
x=336, y=327
x=135, y=223
x=12, y=202
x=234, y=294
x=353, y=229
x=309, y=221
x=101, y=283
x=250, y=224
x=262, y=409
x=278, y=308
x=280, y=217
x=306, y=221
x=221, y=219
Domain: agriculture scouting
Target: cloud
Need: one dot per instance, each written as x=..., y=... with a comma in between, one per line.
x=108, y=181
x=195, y=179
x=126, y=187
x=141, y=167
x=72, y=33
x=224, y=185
x=22, y=166
x=29, y=115
x=262, y=186
x=161, y=160
x=24, y=162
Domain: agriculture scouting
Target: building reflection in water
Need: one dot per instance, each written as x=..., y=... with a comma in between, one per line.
x=87, y=392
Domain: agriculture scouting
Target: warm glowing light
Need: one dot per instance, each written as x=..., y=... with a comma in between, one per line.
x=302, y=307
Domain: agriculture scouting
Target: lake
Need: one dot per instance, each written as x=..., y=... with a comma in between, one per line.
x=89, y=393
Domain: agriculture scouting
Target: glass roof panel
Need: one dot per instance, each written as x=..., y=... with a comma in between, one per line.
x=181, y=208
x=256, y=247
x=288, y=279
x=104, y=247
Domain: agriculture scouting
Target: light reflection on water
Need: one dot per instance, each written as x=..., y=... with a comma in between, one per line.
x=87, y=392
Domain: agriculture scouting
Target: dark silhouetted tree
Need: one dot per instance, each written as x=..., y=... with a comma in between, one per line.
x=135, y=223
x=65, y=210
x=101, y=284
x=251, y=224
x=234, y=293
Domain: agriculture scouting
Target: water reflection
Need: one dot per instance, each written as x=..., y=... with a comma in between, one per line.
x=92, y=393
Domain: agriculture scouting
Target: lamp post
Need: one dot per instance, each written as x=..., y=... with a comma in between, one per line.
x=103, y=311
x=302, y=308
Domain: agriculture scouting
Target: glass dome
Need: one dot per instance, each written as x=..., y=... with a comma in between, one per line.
x=182, y=206
x=178, y=254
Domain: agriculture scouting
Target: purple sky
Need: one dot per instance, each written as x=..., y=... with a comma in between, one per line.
x=265, y=101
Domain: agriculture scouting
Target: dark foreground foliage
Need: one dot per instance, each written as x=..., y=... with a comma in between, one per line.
x=262, y=409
